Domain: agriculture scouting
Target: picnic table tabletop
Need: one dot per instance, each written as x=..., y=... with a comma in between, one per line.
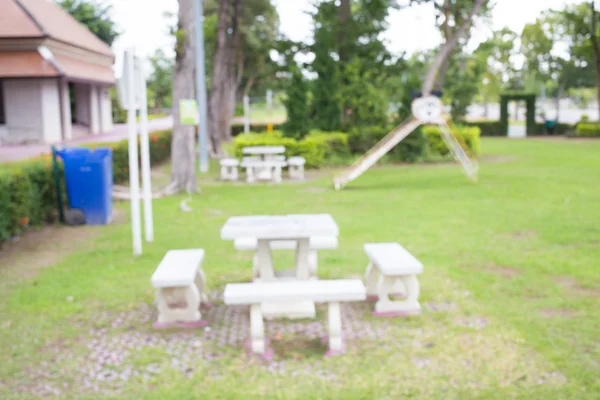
x=264, y=150
x=279, y=226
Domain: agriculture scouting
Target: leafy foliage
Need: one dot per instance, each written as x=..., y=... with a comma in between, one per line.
x=95, y=16
x=296, y=104
x=160, y=82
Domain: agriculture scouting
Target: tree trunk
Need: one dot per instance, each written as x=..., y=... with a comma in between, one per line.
x=183, y=154
x=596, y=47
x=342, y=34
x=441, y=75
x=598, y=84
x=448, y=47
x=216, y=87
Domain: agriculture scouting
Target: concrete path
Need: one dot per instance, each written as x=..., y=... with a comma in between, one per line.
x=9, y=153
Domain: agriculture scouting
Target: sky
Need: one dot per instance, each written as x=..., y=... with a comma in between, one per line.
x=144, y=26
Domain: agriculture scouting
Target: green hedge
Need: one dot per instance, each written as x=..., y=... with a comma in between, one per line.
x=27, y=196
x=487, y=128
x=469, y=135
x=587, y=129
x=494, y=128
x=28, y=193
x=160, y=151
x=317, y=148
x=238, y=128
x=411, y=149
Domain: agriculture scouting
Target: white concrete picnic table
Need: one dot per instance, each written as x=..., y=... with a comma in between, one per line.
x=268, y=228
x=264, y=151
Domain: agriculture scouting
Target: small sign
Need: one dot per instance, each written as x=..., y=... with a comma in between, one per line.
x=188, y=112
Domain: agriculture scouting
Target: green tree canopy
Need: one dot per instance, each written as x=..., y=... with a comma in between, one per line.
x=95, y=16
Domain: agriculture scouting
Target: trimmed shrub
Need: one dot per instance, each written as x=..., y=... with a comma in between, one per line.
x=160, y=151
x=28, y=192
x=27, y=196
x=588, y=129
x=411, y=149
x=317, y=148
x=238, y=128
x=487, y=128
x=468, y=135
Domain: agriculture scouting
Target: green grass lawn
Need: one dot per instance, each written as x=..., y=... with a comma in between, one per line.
x=510, y=292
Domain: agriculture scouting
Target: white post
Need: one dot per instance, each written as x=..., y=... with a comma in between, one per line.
x=134, y=174
x=269, y=102
x=246, y=114
x=145, y=146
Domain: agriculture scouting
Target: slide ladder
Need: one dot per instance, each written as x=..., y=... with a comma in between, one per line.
x=376, y=153
x=469, y=165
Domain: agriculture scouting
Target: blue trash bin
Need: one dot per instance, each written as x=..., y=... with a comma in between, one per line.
x=89, y=179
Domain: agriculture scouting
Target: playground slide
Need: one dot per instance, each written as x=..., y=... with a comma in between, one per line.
x=373, y=155
x=469, y=165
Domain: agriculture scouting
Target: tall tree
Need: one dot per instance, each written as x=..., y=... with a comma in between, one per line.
x=578, y=26
x=183, y=154
x=95, y=16
x=462, y=27
x=296, y=104
x=160, y=82
x=326, y=88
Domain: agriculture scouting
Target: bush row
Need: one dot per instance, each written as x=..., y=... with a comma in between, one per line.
x=238, y=128
x=27, y=196
x=160, y=150
x=28, y=192
x=494, y=128
x=587, y=129
x=318, y=148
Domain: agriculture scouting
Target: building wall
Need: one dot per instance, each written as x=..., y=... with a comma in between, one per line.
x=106, y=122
x=94, y=110
x=51, y=120
x=23, y=107
x=82, y=107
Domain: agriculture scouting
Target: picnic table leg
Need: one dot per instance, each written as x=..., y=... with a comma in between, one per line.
x=386, y=307
x=371, y=277
x=264, y=260
x=313, y=260
x=302, y=259
x=201, y=285
x=335, y=330
x=250, y=174
x=257, y=329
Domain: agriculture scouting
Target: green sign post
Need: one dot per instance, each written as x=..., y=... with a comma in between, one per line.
x=188, y=112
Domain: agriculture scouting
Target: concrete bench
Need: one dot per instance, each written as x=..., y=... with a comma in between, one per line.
x=180, y=288
x=268, y=170
x=315, y=243
x=296, y=167
x=328, y=291
x=229, y=169
x=392, y=267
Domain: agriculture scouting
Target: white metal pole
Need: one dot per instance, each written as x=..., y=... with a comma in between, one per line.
x=201, y=88
x=145, y=146
x=246, y=114
x=134, y=174
x=270, y=101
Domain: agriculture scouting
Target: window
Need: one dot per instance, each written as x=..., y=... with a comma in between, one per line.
x=2, y=111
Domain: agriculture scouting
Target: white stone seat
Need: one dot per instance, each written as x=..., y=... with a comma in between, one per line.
x=296, y=160
x=263, y=170
x=229, y=169
x=392, y=269
x=296, y=167
x=180, y=288
x=324, y=291
x=315, y=243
